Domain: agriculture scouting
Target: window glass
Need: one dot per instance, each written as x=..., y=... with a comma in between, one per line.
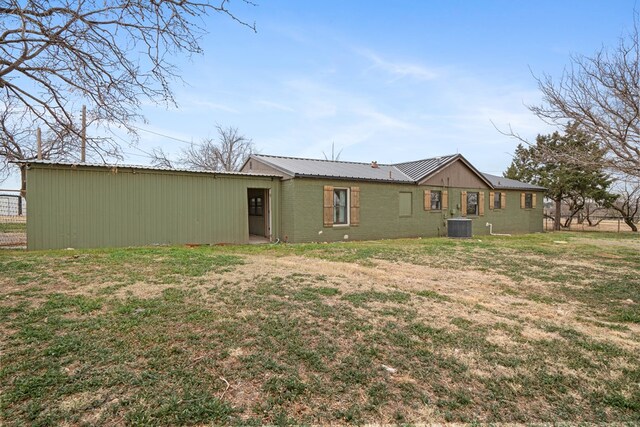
x=528, y=200
x=472, y=203
x=436, y=200
x=405, y=204
x=497, y=200
x=340, y=206
x=256, y=206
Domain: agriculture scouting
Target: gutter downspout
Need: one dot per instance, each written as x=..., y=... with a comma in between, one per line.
x=494, y=234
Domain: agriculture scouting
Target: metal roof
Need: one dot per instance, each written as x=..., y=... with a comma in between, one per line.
x=406, y=172
x=334, y=169
x=500, y=182
x=141, y=167
x=418, y=169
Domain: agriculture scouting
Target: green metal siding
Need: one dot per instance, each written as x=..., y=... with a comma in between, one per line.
x=288, y=211
x=88, y=207
x=380, y=212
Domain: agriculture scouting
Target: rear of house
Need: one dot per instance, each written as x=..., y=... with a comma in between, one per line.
x=333, y=201
x=271, y=199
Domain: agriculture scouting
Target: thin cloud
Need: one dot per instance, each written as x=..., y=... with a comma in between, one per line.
x=384, y=120
x=400, y=69
x=274, y=106
x=213, y=106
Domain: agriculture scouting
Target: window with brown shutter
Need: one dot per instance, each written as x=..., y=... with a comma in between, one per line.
x=340, y=206
x=503, y=200
x=533, y=202
x=355, y=206
x=522, y=196
x=492, y=198
x=481, y=203
x=427, y=200
x=471, y=205
x=328, y=206
x=445, y=200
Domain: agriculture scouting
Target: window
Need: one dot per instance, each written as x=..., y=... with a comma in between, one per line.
x=405, y=200
x=255, y=206
x=528, y=200
x=472, y=203
x=436, y=200
x=340, y=206
x=497, y=200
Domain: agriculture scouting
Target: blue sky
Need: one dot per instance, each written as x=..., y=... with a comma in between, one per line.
x=386, y=81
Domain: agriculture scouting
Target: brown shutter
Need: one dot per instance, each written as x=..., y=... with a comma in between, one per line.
x=427, y=200
x=492, y=198
x=463, y=203
x=481, y=203
x=533, y=200
x=522, y=202
x=328, y=206
x=503, y=200
x=355, y=206
x=445, y=200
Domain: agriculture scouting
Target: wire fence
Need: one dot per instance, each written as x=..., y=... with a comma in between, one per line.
x=598, y=223
x=13, y=219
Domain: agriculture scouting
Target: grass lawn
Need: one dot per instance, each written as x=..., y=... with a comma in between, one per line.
x=526, y=329
x=13, y=227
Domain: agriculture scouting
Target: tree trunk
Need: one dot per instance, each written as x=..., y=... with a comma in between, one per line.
x=629, y=222
x=556, y=222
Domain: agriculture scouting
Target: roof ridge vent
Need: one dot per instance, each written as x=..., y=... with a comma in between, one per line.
x=374, y=164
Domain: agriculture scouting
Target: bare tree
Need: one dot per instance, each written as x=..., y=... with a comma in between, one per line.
x=601, y=94
x=227, y=153
x=628, y=202
x=108, y=54
x=161, y=159
x=18, y=142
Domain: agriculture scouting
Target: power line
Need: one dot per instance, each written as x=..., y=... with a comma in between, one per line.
x=165, y=136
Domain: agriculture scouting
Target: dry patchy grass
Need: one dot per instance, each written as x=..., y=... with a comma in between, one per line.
x=519, y=330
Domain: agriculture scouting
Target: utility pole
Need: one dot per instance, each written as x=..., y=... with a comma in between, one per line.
x=83, y=149
x=39, y=140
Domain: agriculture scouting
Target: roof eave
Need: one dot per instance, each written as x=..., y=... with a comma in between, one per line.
x=139, y=167
x=270, y=164
x=352, y=178
x=449, y=162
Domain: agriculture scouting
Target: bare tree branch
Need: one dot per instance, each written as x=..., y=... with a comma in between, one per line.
x=628, y=201
x=227, y=153
x=601, y=94
x=108, y=54
x=161, y=159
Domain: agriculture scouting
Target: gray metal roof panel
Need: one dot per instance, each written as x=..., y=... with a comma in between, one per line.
x=500, y=182
x=418, y=169
x=334, y=169
x=142, y=167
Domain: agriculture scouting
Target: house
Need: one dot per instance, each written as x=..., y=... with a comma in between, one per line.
x=324, y=200
x=273, y=197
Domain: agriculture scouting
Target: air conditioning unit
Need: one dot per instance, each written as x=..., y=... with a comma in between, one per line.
x=459, y=227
